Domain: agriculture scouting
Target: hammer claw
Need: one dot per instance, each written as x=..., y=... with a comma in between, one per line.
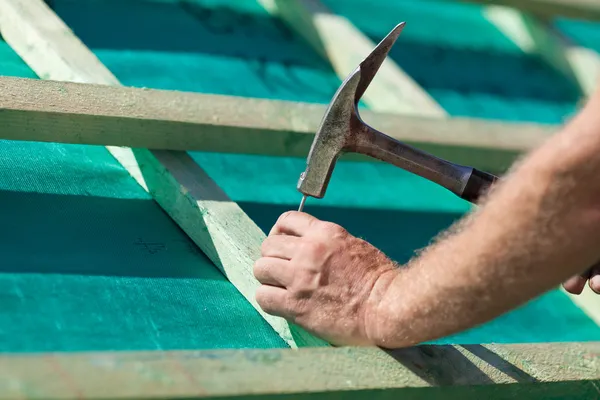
x=342, y=130
x=370, y=65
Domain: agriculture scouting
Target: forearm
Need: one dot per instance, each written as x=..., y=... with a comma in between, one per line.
x=539, y=227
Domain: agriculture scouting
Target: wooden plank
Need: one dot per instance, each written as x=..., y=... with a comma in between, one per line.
x=584, y=62
x=344, y=46
x=533, y=37
x=79, y=113
x=180, y=186
x=562, y=370
x=580, y=9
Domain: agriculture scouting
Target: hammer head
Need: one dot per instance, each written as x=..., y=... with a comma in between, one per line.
x=335, y=134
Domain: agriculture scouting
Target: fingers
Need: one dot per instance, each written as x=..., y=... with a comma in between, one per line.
x=293, y=223
x=575, y=284
x=273, y=271
x=273, y=300
x=594, y=281
x=279, y=246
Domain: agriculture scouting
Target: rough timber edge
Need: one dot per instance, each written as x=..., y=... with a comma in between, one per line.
x=579, y=9
x=37, y=110
x=529, y=371
x=344, y=47
x=197, y=204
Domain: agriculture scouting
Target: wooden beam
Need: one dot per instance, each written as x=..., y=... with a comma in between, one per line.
x=579, y=9
x=537, y=36
x=533, y=37
x=560, y=370
x=344, y=46
x=53, y=111
x=584, y=62
x=214, y=222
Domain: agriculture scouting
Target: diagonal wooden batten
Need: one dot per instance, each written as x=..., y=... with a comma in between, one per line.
x=179, y=185
x=584, y=62
x=579, y=9
x=338, y=41
x=55, y=111
x=533, y=37
x=527, y=371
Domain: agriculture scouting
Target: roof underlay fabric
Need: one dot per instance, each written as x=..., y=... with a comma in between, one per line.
x=90, y=262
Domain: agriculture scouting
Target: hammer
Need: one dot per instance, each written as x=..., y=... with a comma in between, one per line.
x=343, y=131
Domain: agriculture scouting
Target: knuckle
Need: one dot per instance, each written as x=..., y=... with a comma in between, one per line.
x=333, y=229
x=320, y=249
x=266, y=301
x=309, y=247
x=262, y=299
x=258, y=268
x=283, y=216
x=315, y=249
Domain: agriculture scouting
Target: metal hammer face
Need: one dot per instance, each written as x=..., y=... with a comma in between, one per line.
x=341, y=125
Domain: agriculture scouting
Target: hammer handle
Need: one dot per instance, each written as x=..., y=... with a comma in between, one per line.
x=478, y=184
x=466, y=182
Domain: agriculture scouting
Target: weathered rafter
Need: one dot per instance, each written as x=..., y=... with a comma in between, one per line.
x=79, y=113
x=533, y=37
x=558, y=370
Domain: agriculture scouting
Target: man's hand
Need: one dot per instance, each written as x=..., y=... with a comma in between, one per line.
x=591, y=277
x=317, y=275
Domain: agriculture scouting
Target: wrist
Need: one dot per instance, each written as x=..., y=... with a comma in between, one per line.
x=382, y=317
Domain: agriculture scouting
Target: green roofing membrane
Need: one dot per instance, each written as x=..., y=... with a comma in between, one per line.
x=582, y=33
x=91, y=262
x=94, y=263
x=464, y=61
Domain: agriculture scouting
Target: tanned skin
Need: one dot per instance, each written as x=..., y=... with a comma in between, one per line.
x=537, y=228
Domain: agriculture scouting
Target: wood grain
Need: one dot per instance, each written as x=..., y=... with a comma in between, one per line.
x=180, y=186
x=79, y=113
x=531, y=371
